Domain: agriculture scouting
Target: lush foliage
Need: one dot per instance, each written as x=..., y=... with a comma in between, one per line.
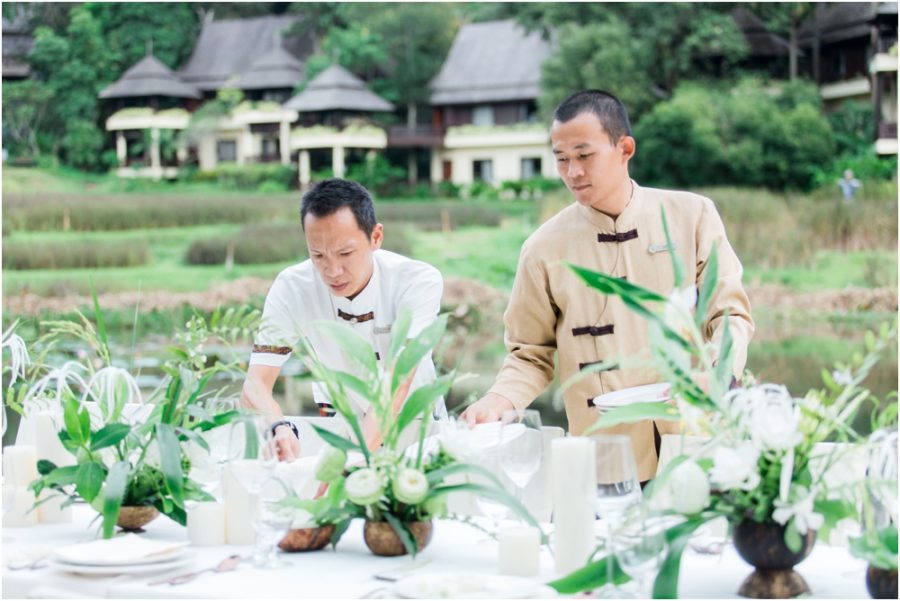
x=745, y=135
x=78, y=255
x=391, y=484
x=127, y=450
x=760, y=461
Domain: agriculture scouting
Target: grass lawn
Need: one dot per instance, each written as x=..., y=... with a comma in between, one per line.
x=831, y=270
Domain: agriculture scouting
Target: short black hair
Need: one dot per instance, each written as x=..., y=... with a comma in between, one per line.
x=331, y=195
x=608, y=109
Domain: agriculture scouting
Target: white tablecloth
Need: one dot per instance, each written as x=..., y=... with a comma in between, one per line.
x=348, y=572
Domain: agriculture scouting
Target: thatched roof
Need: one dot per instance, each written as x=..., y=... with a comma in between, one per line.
x=335, y=88
x=278, y=68
x=229, y=48
x=845, y=20
x=17, y=43
x=149, y=77
x=761, y=41
x=493, y=61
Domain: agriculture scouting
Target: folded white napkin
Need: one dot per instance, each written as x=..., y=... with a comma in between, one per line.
x=467, y=443
x=121, y=550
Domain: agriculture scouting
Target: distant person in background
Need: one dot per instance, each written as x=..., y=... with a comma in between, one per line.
x=350, y=279
x=614, y=227
x=849, y=185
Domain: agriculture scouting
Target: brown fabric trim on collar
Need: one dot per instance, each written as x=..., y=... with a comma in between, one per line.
x=356, y=318
x=593, y=330
x=272, y=350
x=618, y=236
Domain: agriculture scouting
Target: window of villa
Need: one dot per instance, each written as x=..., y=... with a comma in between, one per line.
x=531, y=167
x=483, y=115
x=483, y=170
x=226, y=151
x=269, y=147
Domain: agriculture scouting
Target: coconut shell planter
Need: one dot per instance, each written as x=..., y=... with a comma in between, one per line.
x=298, y=540
x=382, y=540
x=134, y=518
x=762, y=546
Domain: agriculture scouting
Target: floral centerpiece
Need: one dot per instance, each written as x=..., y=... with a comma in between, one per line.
x=396, y=491
x=759, y=466
x=128, y=452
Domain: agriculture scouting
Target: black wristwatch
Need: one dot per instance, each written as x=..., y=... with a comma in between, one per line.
x=284, y=422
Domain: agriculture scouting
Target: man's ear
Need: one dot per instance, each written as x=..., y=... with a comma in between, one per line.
x=377, y=236
x=627, y=147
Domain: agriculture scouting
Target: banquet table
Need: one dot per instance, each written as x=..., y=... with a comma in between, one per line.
x=349, y=572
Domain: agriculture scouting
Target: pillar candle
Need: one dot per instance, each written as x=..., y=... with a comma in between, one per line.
x=520, y=549
x=574, y=478
x=18, y=502
x=50, y=511
x=19, y=465
x=206, y=524
x=238, y=510
x=47, y=440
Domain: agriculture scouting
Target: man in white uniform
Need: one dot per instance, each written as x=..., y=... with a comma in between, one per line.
x=347, y=278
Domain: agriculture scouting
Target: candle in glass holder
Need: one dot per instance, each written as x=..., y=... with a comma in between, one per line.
x=574, y=477
x=47, y=441
x=520, y=550
x=18, y=503
x=206, y=523
x=51, y=511
x=19, y=464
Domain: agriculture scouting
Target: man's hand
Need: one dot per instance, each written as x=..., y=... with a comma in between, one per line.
x=488, y=408
x=286, y=444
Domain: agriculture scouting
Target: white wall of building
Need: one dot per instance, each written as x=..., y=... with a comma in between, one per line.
x=506, y=162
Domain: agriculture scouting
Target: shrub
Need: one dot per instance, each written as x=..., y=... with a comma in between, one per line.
x=74, y=255
x=378, y=176
x=429, y=215
x=251, y=177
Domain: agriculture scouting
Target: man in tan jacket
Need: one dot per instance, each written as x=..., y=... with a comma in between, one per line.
x=614, y=227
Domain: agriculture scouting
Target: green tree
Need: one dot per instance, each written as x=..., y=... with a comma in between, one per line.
x=27, y=108
x=605, y=55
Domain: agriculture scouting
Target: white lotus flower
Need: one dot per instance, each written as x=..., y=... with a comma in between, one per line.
x=801, y=511
x=689, y=488
x=18, y=353
x=364, y=486
x=774, y=418
x=410, y=486
x=735, y=468
x=678, y=312
x=842, y=378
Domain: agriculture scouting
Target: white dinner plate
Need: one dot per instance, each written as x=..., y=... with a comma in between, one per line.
x=167, y=556
x=460, y=585
x=178, y=561
x=650, y=393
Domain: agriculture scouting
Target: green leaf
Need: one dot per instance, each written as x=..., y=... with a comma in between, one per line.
x=338, y=442
x=113, y=494
x=339, y=529
x=353, y=383
x=722, y=370
x=666, y=584
x=421, y=401
x=792, y=538
x=45, y=466
x=708, y=287
x=497, y=494
x=72, y=421
x=101, y=324
x=170, y=460
x=354, y=345
x=109, y=435
x=399, y=332
x=635, y=412
x=416, y=349
x=89, y=479
x=608, y=284
x=62, y=476
x=406, y=537
x=591, y=576
x=677, y=267
x=437, y=476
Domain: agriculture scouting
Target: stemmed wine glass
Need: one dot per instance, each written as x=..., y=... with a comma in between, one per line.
x=520, y=447
x=492, y=509
x=618, y=489
x=271, y=520
x=640, y=547
x=226, y=444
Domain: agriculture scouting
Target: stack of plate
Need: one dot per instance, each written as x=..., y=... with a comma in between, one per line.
x=128, y=554
x=651, y=393
x=459, y=585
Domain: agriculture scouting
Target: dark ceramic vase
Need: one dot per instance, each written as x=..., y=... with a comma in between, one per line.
x=762, y=546
x=881, y=583
x=382, y=540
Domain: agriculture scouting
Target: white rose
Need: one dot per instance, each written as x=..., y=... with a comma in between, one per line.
x=410, y=486
x=774, y=418
x=735, y=468
x=689, y=488
x=363, y=486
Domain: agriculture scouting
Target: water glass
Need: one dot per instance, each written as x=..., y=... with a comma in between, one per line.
x=520, y=446
x=492, y=509
x=640, y=547
x=272, y=518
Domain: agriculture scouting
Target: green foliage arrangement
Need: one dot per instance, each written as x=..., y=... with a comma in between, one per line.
x=77, y=255
x=759, y=462
x=392, y=485
x=127, y=450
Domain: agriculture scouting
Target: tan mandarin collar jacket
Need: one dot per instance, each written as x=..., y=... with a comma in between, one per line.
x=551, y=309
